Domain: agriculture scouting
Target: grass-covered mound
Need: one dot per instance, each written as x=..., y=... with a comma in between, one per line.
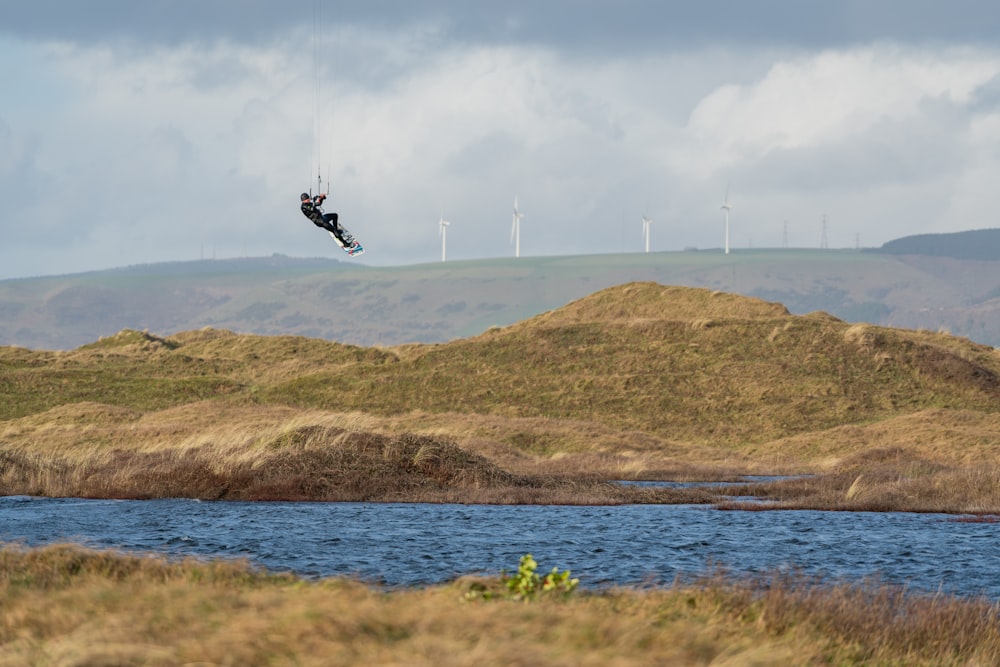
x=215, y=451
x=640, y=380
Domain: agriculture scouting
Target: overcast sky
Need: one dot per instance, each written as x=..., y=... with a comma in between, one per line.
x=136, y=132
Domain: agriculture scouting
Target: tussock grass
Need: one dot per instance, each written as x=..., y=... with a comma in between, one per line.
x=873, y=622
x=953, y=437
x=650, y=301
x=217, y=452
x=62, y=565
x=903, y=485
x=67, y=605
x=929, y=461
x=305, y=462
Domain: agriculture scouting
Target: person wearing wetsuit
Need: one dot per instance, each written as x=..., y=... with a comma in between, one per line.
x=312, y=209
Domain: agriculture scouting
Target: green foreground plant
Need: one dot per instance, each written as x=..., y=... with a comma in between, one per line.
x=526, y=584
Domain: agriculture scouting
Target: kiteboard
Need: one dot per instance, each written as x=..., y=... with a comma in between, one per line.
x=354, y=249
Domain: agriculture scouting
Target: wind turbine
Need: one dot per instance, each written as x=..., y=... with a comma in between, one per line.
x=443, y=233
x=646, y=222
x=515, y=230
x=727, y=207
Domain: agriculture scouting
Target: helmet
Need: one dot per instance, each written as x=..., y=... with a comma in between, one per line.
x=305, y=196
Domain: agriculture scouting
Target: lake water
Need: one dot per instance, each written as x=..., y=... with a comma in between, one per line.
x=408, y=544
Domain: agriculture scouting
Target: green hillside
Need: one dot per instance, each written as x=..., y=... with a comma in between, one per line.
x=980, y=244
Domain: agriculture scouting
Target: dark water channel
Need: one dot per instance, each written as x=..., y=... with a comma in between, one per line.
x=407, y=544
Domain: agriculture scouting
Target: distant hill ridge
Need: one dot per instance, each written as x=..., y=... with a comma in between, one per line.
x=981, y=244
x=354, y=303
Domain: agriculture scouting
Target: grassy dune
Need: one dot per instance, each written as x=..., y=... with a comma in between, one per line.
x=65, y=605
x=639, y=381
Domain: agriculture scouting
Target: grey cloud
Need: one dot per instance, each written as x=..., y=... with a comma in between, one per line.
x=21, y=187
x=579, y=25
x=220, y=73
x=987, y=97
x=172, y=156
x=484, y=159
x=918, y=150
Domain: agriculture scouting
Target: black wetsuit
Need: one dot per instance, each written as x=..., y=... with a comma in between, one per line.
x=328, y=221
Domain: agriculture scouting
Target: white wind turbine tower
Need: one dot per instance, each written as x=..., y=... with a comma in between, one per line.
x=646, y=222
x=443, y=233
x=515, y=230
x=727, y=207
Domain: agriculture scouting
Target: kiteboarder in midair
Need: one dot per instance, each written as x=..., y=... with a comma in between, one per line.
x=312, y=209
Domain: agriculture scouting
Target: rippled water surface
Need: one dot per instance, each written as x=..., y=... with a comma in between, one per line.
x=405, y=544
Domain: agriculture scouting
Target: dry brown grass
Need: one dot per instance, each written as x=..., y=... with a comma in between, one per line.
x=872, y=622
x=222, y=451
x=65, y=605
x=951, y=437
x=908, y=486
x=933, y=460
x=217, y=451
x=647, y=301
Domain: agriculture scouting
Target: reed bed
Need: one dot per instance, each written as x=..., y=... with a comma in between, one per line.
x=903, y=485
x=64, y=605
